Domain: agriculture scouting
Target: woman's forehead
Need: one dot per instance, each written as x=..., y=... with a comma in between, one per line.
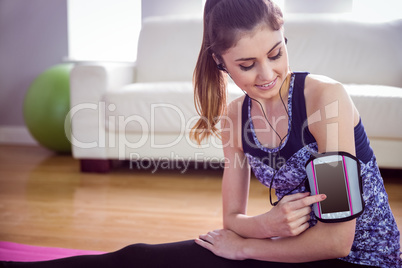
x=252, y=43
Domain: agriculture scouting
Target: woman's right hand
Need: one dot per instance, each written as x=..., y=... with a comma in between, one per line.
x=291, y=215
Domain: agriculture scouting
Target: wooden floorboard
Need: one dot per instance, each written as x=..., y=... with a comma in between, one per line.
x=45, y=200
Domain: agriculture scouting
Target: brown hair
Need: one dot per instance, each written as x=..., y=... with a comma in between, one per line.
x=224, y=20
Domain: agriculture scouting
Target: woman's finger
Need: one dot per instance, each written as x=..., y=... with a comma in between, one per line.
x=301, y=228
x=294, y=197
x=204, y=244
x=307, y=201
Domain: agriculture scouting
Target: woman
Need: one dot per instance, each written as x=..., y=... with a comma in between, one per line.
x=245, y=40
x=275, y=127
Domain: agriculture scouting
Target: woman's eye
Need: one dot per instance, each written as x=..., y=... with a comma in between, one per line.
x=276, y=56
x=246, y=68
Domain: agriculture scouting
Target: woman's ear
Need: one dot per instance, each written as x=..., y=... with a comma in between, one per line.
x=215, y=59
x=219, y=64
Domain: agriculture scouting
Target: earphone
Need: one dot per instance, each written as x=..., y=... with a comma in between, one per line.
x=222, y=68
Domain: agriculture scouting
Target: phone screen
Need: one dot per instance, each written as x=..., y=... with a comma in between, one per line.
x=331, y=182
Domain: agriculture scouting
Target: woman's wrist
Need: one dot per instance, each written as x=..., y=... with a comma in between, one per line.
x=264, y=225
x=243, y=252
x=258, y=226
x=249, y=249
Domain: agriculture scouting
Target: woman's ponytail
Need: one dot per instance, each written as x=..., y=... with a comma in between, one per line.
x=209, y=94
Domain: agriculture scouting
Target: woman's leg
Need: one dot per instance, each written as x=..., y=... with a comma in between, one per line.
x=180, y=254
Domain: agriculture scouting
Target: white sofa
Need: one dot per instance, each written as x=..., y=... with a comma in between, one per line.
x=143, y=112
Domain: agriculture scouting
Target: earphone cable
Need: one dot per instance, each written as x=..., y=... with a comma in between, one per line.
x=266, y=118
x=281, y=140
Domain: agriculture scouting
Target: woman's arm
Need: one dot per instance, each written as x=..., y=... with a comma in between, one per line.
x=289, y=218
x=331, y=114
x=323, y=241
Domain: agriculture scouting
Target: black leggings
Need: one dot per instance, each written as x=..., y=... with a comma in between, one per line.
x=180, y=254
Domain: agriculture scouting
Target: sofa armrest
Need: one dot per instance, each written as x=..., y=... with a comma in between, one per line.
x=88, y=83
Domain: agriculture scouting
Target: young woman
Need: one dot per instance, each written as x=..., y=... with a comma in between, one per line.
x=245, y=40
x=281, y=121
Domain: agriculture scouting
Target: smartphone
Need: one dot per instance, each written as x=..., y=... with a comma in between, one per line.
x=337, y=175
x=329, y=178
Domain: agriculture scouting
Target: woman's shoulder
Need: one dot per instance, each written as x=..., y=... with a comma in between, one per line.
x=235, y=108
x=329, y=105
x=320, y=86
x=232, y=123
x=321, y=91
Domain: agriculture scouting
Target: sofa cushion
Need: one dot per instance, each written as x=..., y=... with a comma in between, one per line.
x=154, y=107
x=168, y=49
x=380, y=108
x=169, y=108
x=346, y=50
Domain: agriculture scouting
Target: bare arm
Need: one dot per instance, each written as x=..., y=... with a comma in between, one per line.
x=323, y=241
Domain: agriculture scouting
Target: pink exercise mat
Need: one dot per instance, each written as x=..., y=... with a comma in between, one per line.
x=18, y=252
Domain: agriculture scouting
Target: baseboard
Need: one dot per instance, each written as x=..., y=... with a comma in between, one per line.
x=16, y=135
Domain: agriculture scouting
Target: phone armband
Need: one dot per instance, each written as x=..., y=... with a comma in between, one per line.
x=337, y=175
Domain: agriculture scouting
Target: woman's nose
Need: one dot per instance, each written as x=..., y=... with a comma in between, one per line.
x=266, y=72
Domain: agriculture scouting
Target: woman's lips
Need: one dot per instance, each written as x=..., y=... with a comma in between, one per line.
x=267, y=86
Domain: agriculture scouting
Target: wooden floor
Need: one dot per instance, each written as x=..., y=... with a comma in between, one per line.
x=46, y=201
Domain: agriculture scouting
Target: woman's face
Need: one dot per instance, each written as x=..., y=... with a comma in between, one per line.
x=258, y=63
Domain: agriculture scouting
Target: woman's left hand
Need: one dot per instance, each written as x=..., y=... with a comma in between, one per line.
x=223, y=243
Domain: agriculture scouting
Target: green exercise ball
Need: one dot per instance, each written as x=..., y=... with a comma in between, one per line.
x=46, y=106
